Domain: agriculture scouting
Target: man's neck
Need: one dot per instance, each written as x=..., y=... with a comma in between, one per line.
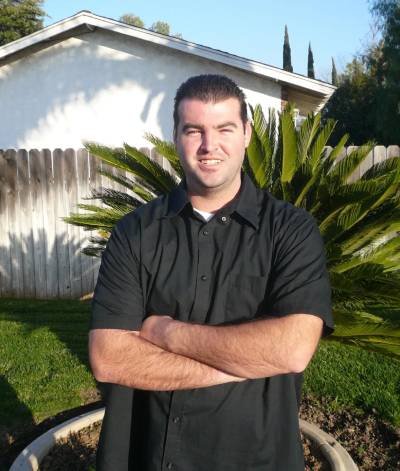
x=210, y=200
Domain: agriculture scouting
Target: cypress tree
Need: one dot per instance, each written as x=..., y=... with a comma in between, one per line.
x=310, y=63
x=335, y=80
x=287, y=57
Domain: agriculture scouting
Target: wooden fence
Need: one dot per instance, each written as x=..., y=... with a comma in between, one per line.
x=40, y=255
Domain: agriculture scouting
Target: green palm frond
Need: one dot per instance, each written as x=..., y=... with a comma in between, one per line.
x=306, y=134
x=149, y=170
x=96, y=218
x=339, y=149
x=345, y=168
x=261, y=149
x=114, y=157
x=129, y=184
x=117, y=200
x=290, y=158
x=166, y=150
x=383, y=168
x=317, y=150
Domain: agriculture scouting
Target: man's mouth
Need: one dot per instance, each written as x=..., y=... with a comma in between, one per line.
x=210, y=161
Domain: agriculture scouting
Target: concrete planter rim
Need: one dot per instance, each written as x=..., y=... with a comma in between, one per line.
x=31, y=456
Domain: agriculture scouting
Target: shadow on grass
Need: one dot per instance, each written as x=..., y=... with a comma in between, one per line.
x=67, y=319
x=11, y=406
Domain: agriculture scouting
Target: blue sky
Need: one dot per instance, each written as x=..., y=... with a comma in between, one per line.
x=252, y=28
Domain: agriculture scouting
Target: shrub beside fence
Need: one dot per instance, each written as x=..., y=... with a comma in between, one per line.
x=39, y=253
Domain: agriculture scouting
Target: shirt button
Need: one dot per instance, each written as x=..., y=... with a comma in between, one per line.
x=224, y=219
x=205, y=233
x=203, y=278
x=176, y=420
x=170, y=465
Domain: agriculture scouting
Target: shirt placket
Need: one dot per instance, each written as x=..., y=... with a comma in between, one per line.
x=203, y=240
x=173, y=438
x=204, y=275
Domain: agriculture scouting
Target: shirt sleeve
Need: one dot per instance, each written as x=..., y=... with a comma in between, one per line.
x=299, y=281
x=118, y=299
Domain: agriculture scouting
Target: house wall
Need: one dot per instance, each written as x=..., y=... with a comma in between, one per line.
x=105, y=87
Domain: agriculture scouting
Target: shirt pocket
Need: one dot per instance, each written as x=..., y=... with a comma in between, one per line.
x=245, y=297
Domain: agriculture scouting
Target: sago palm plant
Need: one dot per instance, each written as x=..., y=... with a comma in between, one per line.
x=359, y=219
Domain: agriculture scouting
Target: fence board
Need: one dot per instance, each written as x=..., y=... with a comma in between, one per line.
x=367, y=163
x=356, y=174
x=83, y=192
x=37, y=188
x=95, y=184
x=379, y=154
x=62, y=240
x=70, y=200
x=5, y=254
x=393, y=151
x=16, y=274
x=25, y=239
x=49, y=221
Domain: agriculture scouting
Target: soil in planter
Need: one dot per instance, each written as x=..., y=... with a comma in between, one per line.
x=75, y=453
x=78, y=453
x=372, y=443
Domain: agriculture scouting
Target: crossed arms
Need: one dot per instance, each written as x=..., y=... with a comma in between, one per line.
x=168, y=354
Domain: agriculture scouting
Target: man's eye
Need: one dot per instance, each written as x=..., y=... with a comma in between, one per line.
x=226, y=130
x=192, y=132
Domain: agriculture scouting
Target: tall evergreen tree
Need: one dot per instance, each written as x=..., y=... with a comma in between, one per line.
x=335, y=79
x=19, y=18
x=287, y=56
x=310, y=63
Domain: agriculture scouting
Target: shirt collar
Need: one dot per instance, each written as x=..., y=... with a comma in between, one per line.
x=245, y=204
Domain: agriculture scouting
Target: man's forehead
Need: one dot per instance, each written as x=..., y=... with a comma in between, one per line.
x=195, y=107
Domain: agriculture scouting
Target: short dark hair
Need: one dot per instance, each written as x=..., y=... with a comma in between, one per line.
x=210, y=88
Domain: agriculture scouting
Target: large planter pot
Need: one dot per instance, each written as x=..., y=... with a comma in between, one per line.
x=332, y=450
x=30, y=458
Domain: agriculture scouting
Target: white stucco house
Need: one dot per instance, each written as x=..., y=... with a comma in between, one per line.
x=89, y=77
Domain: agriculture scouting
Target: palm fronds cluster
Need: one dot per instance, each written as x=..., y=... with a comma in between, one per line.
x=147, y=179
x=359, y=218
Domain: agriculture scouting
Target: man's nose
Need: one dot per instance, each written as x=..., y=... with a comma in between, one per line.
x=209, y=142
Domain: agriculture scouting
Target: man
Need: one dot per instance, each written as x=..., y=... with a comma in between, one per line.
x=209, y=304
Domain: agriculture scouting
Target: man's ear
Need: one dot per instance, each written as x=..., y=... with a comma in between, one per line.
x=247, y=133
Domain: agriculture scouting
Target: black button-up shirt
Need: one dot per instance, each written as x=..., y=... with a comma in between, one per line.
x=257, y=256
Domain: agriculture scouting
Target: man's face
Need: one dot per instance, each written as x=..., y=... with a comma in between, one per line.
x=211, y=142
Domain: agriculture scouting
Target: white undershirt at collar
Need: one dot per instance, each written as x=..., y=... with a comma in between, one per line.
x=207, y=216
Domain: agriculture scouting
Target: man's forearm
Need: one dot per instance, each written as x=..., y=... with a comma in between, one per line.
x=130, y=360
x=262, y=348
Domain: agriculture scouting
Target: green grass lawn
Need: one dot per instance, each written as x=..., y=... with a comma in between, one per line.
x=44, y=366
x=354, y=377
x=43, y=359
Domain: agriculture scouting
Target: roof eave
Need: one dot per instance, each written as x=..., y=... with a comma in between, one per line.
x=92, y=21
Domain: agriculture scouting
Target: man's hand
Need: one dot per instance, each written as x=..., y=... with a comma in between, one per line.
x=155, y=329
x=254, y=349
